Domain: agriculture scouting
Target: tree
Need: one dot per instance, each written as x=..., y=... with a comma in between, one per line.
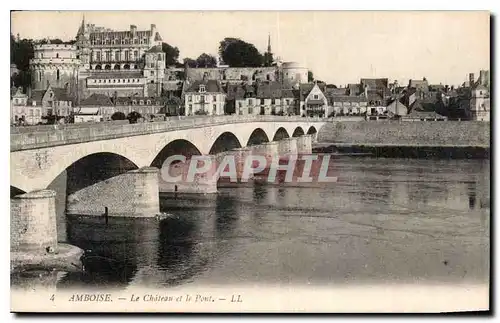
x=134, y=116
x=238, y=53
x=21, y=51
x=189, y=62
x=310, y=76
x=206, y=60
x=118, y=115
x=268, y=59
x=172, y=54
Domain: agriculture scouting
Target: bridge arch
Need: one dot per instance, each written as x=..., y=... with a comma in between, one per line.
x=176, y=147
x=92, y=169
x=298, y=132
x=226, y=141
x=312, y=130
x=257, y=137
x=280, y=134
x=15, y=191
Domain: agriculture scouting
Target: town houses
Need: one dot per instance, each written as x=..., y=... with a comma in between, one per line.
x=107, y=75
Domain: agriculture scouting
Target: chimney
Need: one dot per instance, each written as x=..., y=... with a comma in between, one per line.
x=133, y=29
x=153, y=29
x=471, y=79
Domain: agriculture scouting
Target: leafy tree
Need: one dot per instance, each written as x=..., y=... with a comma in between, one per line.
x=310, y=76
x=118, y=115
x=172, y=54
x=238, y=53
x=134, y=116
x=189, y=62
x=268, y=59
x=206, y=60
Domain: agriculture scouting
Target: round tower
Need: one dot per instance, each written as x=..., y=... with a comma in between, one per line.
x=54, y=64
x=293, y=73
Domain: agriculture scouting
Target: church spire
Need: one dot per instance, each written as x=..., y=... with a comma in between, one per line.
x=269, y=43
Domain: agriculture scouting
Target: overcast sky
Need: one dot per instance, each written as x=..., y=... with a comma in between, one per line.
x=339, y=47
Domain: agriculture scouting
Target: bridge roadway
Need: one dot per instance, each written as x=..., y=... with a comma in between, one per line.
x=26, y=138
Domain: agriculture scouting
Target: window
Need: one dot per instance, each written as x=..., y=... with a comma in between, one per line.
x=202, y=89
x=134, y=102
x=58, y=76
x=287, y=102
x=214, y=98
x=250, y=110
x=98, y=56
x=261, y=101
x=316, y=97
x=250, y=102
x=37, y=113
x=273, y=101
x=136, y=55
x=148, y=102
x=57, y=55
x=117, y=56
x=16, y=101
x=190, y=98
x=152, y=73
x=127, y=55
x=240, y=104
x=159, y=57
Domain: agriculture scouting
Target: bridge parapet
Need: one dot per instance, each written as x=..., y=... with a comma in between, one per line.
x=61, y=135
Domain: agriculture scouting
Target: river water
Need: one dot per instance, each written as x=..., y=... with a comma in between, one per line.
x=384, y=221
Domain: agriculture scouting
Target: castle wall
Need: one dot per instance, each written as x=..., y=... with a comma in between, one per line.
x=233, y=73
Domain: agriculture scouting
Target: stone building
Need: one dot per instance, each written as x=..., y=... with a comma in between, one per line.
x=313, y=101
x=56, y=66
x=205, y=97
x=262, y=98
x=53, y=101
x=22, y=110
x=479, y=108
x=347, y=105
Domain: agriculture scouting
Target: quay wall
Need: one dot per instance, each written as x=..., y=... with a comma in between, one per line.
x=405, y=133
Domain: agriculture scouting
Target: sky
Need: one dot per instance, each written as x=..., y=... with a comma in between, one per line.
x=340, y=47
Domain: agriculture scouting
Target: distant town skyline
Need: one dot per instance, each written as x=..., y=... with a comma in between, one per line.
x=338, y=47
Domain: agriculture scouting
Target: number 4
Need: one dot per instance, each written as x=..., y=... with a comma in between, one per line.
x=52, y=297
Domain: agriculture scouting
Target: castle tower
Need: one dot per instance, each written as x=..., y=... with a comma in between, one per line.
x=293, y=74
x=154, y=70
x=54, y=64
x=83, y=45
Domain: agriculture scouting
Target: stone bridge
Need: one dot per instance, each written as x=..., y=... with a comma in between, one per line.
x=116, y=166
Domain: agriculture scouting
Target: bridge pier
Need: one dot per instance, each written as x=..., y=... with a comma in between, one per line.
x=304, y=145
x=203, y=183
x=133, y=194
x=270, y=150
x=33, y=232
x=288, y=146
x=240, y=156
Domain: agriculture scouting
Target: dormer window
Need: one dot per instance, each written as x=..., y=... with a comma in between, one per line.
x=134, y=102
x=316, y=97
x=141, y=102
x=148, y=102
x=202, y=89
